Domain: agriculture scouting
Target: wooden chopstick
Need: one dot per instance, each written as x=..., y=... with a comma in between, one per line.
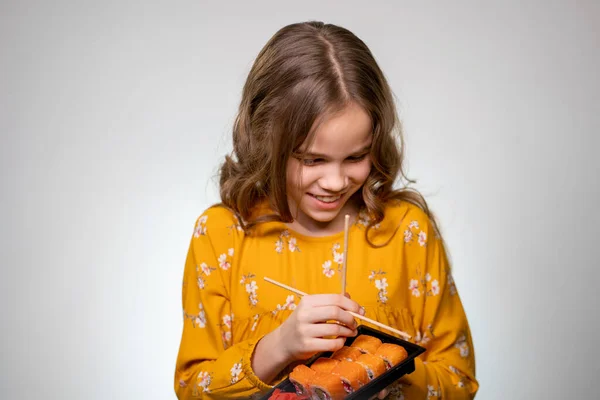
x=345, y=259
x=355, y=315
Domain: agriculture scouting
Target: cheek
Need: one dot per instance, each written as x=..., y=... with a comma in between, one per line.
x=292, y=174
x=295, y=176
x=360, y=172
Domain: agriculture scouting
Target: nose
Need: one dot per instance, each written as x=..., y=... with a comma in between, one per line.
x=334, y=179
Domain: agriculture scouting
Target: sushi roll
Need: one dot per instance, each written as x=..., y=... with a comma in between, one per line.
x=374, y=365
x=324, y=364
x=391, y=353
x=366, y=344
x=325, y=386
x=301, y=377
x=346, y=353
x=353, y=375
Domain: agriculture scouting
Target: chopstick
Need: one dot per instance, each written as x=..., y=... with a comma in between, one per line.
x=344, y=260
x=355, y=315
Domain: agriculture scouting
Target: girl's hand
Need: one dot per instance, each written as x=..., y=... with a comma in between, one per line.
x=303, y=334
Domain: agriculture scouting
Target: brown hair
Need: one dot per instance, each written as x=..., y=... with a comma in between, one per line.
x=306, y=71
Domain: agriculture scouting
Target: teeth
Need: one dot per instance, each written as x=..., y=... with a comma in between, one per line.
x=328, y=199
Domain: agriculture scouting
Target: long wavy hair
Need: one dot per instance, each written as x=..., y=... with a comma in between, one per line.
x=307, y=71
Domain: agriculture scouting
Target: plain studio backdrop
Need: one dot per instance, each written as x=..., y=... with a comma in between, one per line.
x=115, y=116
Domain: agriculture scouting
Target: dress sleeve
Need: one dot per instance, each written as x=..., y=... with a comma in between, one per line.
x=447, y=369
x=209, y=365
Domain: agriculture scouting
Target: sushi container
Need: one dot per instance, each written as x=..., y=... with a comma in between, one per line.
x=376, y=385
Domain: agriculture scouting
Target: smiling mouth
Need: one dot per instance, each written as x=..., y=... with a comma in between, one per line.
x=327, y=199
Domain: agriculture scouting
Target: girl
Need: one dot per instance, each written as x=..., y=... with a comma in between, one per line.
x=314, y=140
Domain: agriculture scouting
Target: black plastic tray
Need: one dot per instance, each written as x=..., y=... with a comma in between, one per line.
x=381, y=382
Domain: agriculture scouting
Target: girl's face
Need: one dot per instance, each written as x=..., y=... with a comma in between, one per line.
x=334, y=167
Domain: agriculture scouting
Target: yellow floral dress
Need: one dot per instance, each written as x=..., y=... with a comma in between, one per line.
x=406, y=284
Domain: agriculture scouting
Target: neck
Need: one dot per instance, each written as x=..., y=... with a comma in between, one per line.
x=309, y=227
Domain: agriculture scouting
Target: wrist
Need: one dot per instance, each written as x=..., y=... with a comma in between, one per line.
x=276, y=348
x=270, y=356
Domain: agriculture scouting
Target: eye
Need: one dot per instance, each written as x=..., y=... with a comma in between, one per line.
x=357, y=158
x=311, y=161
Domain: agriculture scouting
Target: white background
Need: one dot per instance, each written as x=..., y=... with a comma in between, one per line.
x=115, y=115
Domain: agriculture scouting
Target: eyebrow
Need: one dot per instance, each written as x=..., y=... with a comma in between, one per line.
x=365, y=149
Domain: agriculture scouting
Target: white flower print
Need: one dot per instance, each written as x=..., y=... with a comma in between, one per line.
x=338, y=258
x=408, y=235
x=418, y=338
x=200, y=319
x=204, y=379
x=381, y=284
x=414, y=287
x=255, y=323
x=451, y=284
x=292, y=244
x=288, y=305
x=363, y=218
x=461, y=378
x=327, y=271
x=203, y=269
x=432, y=392
x=422, y=340
x=201, y=226
x=236, y=370
x=226, y=335
x=279, y=246
x=289, y=302
x=230, y=252
x=251, y=288
x=223, y=263
x=206, y=270
x=278, y=308
x=237, y=225
x=422, y=238
x=227, y=320
x=410, y=232
x=435, y=287
x=426, y=284
x=462, y=346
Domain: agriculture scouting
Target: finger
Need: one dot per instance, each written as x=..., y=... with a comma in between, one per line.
x=383, y=394
x=329, y=313
x=347, y=295
x=319, y=300
x=335, y=330
x=319, y=344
